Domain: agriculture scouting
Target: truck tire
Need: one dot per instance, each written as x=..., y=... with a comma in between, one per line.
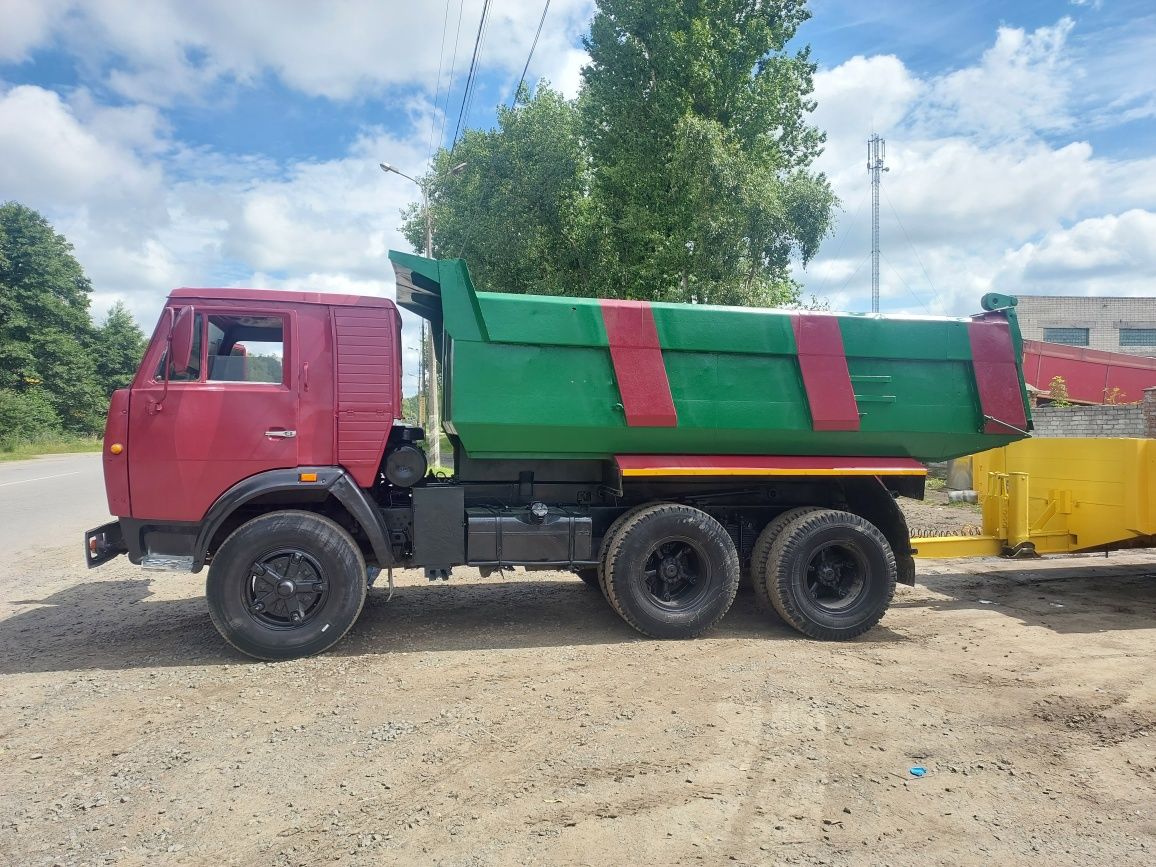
x=285, y=585
x=762, y=551
x=830, y=574
x=609, y=541
x=672, y=571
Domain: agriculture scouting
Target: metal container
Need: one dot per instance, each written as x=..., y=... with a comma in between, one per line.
x=551, y=377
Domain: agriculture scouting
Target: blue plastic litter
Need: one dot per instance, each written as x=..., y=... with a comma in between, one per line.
x=917, y=771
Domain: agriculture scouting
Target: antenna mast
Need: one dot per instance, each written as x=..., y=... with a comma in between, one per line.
x=876, y=153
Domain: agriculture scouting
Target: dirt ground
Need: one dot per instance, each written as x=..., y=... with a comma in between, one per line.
x=519, y=721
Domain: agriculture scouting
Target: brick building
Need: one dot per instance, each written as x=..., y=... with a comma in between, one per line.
x=1125, y=325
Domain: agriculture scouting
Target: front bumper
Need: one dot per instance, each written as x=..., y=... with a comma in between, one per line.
x=104, y=543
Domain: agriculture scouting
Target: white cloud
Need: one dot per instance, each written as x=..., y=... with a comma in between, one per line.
x=27, y=25
x=1110, y=255
x=1019, y=87
x=990, y=184
x=165, y=50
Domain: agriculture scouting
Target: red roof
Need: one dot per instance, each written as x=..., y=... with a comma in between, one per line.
x=1091, y=375
x=281, y=295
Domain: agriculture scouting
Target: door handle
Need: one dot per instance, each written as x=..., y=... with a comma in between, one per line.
x=283, y=434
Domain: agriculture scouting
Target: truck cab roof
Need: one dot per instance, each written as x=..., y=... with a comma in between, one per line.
x=330, y=299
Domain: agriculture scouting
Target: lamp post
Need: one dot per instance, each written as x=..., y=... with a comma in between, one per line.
x=432, y=421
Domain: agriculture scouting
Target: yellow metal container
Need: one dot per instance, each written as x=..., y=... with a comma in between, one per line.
x=1050, y=496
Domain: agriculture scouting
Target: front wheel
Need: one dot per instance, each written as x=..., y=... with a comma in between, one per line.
x=830, y=574
x=285, y=585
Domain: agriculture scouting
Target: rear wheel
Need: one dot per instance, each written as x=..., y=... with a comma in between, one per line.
x=671, y=571
x=831, y=574
x=285, y=585
x=610, y=541
x=762, y=551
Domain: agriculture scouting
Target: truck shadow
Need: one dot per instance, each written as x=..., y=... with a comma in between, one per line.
x=114, y=625
x=1083, y=594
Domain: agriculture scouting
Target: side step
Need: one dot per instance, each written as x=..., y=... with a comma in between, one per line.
x=167, y=563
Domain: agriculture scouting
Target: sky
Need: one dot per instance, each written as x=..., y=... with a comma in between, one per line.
x=237, y=143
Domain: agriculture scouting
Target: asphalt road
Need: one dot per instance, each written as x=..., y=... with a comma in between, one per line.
x=49, y=502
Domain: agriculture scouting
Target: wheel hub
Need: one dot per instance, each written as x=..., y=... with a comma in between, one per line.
x=835, y=576
x=669, y=569
x=285, y=589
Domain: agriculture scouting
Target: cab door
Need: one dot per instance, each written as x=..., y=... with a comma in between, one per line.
x=232, y=414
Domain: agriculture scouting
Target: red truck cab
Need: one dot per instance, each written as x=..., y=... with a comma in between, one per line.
x=274, y=381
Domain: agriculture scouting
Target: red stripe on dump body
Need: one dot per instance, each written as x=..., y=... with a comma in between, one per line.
x=996, y=377
x=826, y=379
x=638, y=364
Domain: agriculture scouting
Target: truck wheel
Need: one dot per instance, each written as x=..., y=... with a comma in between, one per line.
x=830, y=574
x=762, y=551
x=285, y=585
x=671, y=571
x=610, y=541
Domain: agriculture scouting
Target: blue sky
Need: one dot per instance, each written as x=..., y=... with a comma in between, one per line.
x=236, y=143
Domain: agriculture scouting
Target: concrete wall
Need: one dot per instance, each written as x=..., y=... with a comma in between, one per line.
x=1103, y=317
x=1089, y=421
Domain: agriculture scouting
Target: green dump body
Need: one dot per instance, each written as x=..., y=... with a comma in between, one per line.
x=553, y=377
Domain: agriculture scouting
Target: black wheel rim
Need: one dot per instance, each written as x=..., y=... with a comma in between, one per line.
x=836, y=577
x=676, y=573
x=285, y=589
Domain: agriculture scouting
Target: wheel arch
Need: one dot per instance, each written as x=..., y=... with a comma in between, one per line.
x=869, y=498
x=333, y=494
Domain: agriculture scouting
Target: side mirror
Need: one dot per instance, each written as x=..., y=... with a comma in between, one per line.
x=181, y=341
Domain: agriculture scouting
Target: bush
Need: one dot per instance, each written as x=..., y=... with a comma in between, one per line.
x=26, y=416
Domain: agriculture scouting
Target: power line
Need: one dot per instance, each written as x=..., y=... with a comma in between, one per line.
x=438, y=89
x=468, y=92
x=533, y=45
x=913, y=248
x=474, y=90
x=453, y=68
x=842, y=239
x=853, y=273
x=895, y=271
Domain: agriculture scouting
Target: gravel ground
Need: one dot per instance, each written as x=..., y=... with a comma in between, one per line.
x=519, y=721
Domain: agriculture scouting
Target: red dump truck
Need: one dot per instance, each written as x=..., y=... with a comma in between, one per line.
x=655, y=450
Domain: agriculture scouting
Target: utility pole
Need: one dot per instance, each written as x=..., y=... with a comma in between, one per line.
x=876, y=153
x=428, y=370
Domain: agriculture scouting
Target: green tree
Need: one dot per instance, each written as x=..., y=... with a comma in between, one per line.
x=515, y=211
x=120, y=344
x=696, y=118
x=46, y=337
x=680, y=173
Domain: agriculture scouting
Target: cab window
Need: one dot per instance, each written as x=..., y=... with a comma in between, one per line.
x=245, y=348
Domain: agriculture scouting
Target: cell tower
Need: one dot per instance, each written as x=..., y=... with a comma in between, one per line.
x=876, y=153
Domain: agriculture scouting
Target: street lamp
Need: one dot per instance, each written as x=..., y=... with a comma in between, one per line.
x=432, y=422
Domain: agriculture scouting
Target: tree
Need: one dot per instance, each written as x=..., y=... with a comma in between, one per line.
x=680, y=173
x=120, y=344
x=696, y=120
x=46, y=336
x=515, y=212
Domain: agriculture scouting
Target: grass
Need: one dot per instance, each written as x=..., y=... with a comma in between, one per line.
x=62, y=444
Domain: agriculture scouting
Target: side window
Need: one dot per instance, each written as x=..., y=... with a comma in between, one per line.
x=194, y=372
x=246, y=348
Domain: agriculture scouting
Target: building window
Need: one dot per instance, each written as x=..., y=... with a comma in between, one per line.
x=1138, y=336
x=1070, y=336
